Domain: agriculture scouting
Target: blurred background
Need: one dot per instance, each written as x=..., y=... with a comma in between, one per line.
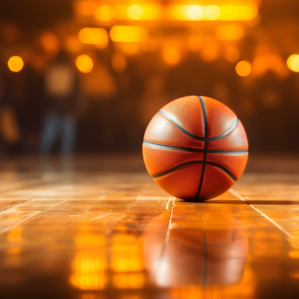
x=86, y=76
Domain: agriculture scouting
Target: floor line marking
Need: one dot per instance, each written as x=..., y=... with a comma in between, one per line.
x=166, y=238
x=32, y=215
x=289, y=235
x=101, y=216
x=167, y=205
x=5, y=209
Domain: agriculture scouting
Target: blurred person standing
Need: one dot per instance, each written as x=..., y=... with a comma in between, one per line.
x=61, y=86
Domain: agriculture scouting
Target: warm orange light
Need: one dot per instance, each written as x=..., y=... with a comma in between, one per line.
x=212, y=12
x=72, y=44
x=210, y=50
x=194, y=12
x=229, y=32
x=265, y=62
x=135, y=11
x=195, y=43
x=15, y=63
x=171, y=54
x=84, y=7
x=119, y=63
x=128, y=34
x=294, y=274
x=49, y=41
x=128, y=280
x=84, y=63
x=88, y=270
x=293, y=63
x=245, y=12
x=129, y=48
x=96, y=36
x=103, y=13
x=243, y=68
x=294, y=254
x=120, y=11
x=232, y=54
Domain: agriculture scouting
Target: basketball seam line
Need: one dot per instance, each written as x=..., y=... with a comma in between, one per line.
x=205, y=148
x=195, y=150
x=232, y=127
x=194, y=162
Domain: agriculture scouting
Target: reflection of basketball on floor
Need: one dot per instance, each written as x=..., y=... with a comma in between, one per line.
x=195, y=148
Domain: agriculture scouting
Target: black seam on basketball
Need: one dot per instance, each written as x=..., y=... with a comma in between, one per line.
x=225, y=133
x=176, y=167
x=197, y=137
x=205, y=148
x=222, y=168
x=191, y=163
x=181, y=128
x=186, y=149
x=190, y=149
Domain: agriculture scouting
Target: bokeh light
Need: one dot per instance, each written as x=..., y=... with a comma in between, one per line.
x=120, y=11
x=129, y=48
x=194, y=12
x=15, y=63
x=128, y=34
x=229, y=32
x=212, y=12
x=103, y=13
x=135, y=11
x=84, y=63
x=96, y=36
x=171, y=54
x=243, y=68
x=119, y=63
x=232, y=54
x=49, y=41
x=293, y=63
x=242, y=12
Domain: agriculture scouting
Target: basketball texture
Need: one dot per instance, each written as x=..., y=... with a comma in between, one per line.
x=195, y=148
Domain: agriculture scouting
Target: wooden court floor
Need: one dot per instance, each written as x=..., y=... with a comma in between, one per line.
x=88, y=230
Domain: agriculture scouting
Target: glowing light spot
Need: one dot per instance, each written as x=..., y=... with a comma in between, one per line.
x=233, y=12
x=103, y=13
x=96, y=36
x=129, y=48
x=128, y=280
x=194, y=12
x=210, y=51
x=127, y=34
x=15, y=63
x=84, y=63
x=293, y=63
x=294, y=254
x=232, y=54
x=243, y=68
x=119, y=63
x=195, y=43
x=212, y=12
x=229, y=32
x=294, y=274
x=171, y=54
x=72, y=44
x=135, y=12
x=49, y=42
x=120, y=11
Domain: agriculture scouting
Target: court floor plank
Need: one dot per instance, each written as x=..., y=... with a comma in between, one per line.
x=114, y=234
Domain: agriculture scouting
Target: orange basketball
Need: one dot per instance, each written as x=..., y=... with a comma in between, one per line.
x=195, y=148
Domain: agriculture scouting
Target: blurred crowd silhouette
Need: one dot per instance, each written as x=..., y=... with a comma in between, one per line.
x=71, y=95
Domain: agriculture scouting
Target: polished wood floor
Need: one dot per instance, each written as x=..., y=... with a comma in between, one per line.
x=92, y=229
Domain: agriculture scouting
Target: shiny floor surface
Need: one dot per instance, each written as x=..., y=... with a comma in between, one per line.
x=88, y=231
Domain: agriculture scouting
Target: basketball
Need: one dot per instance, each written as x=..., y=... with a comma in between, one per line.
x=195, y=148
